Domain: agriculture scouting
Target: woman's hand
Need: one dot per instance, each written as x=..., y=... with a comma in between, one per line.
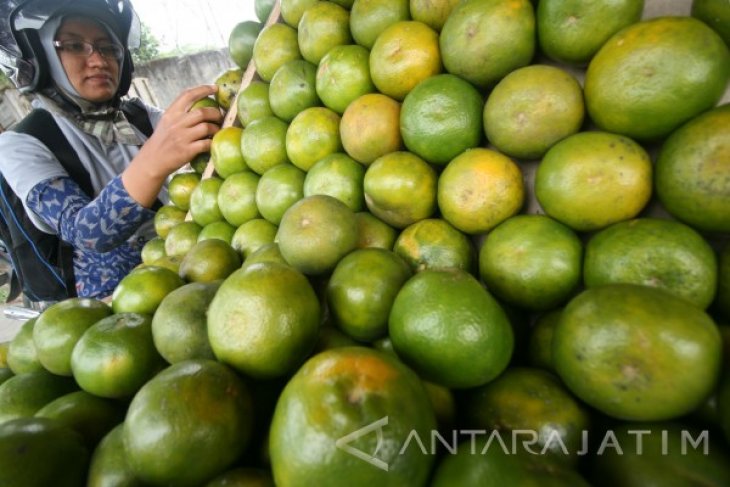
x=180, y=135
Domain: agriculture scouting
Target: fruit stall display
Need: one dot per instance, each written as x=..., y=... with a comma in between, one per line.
x=436, y=242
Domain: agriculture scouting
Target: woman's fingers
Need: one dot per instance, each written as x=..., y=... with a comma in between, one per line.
x=185, y=100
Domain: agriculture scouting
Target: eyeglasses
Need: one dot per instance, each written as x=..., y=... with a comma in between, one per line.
x=85, y=49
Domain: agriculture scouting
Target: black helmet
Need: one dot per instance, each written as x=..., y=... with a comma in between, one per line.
x=21, y=55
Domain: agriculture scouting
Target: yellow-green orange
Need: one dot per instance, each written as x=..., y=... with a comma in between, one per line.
x=403, y=55
x=653, y=252
x=316, y=232
x=483, y=40
x=196, y=399
x=241, y=41
x=434, y=243
x=654, y=75
x=313, y=134
x=180, y=188
x=323, y=26
x=441, y=118
x=229, y=82
x=572, y=31
x=237, y=198
x=661, y=362
x=692, y=170
x=316, y=409
x=152, y=250
x=373, y=232
x=531, y=261
x=266, y=253
x=116, y=356
x=209, y=260
x=225, y=150
x=218, y=230
x=142, y=290
x=369, y=18
x=263, y=9
x=293, y=89
x=253, y=235
x=263, y=144
x=181, y=238
x=590, y=180
x=452, y=332
x=479, y=189
x=275, y=45
x=370, y=127
x=204, y=201
x=167, y=217
x=281, y=313
x=531, y=109
x=292, y=10
x=339, y=176
x=253, y=102
x=278, y=189
x=433, y=13
x=362, y=289
x=400, y=189
x=60, y=326
x=343, y=75
x=179, y=327
x=22, y=356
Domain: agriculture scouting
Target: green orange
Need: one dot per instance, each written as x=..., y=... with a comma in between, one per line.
x=316, y=232
x=339, y=176
x=483, y=40
x=167, y=217
x=433, y=13
x=441, y=118
x=653, y=252
x=572, y=31
x=241, y=41
x=361, y=291
x=323, y=26
x=278, y=189
x=152, y=250
x=252, y=235
x=181, y=238
x=691, y=171
x=22, y=356
x=373, y=232
x=225, y=150
x=253, y=102
x=57, y=330
x=204, y=201
x=179, y=328
x=197, y=399
x=220, y=230
x=452, y=332
x=662, y=361
x=343, y=75
x=369, y=18
x=209, y=260
x=292, y=89
x=531, y=261
x=22, y=395
x=237, y=198
x=142, y=290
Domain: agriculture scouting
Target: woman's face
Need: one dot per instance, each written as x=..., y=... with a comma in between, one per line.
x=95, y=78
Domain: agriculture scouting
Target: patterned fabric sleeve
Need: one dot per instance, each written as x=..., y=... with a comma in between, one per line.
x=100, y=224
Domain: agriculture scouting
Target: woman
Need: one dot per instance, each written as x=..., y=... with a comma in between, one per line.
x=79, y=73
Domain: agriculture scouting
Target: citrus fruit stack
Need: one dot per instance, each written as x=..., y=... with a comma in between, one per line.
x=501, y=217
